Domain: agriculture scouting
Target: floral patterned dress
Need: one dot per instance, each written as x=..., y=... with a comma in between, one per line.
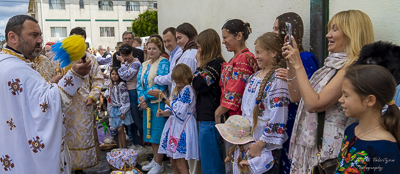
x=273, y=108
x=181, y=129
x=234, y=75
x=362, y=157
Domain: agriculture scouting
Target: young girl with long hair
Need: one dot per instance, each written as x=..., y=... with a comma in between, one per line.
x=179, y=139
x=118, y=106
x=266, y=98
x=372, y=144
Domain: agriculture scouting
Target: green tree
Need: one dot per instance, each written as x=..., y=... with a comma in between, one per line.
x=146, y=24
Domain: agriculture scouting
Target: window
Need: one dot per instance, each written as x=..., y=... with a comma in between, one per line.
x=58, y=31
x=81, y=4
x=106, y=31
x=106, y=5
x=128, y=28
x=155, y=5
x=57, y=4
x=132, y=6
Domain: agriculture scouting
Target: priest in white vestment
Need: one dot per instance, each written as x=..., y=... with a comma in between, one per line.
x=30, y=111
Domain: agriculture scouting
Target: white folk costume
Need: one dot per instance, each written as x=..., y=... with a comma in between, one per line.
x=273, y=109
x=81, y=137
x=258, y=164
x=31, y=117
x=180, y=138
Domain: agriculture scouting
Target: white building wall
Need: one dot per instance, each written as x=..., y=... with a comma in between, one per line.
x=203, y=14
x=90, y=17
x=261, y=15
x=384, y=14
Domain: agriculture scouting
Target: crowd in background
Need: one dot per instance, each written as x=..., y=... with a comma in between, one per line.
x=268, y=110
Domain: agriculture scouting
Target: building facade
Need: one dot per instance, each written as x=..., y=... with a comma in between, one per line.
x=103, y=20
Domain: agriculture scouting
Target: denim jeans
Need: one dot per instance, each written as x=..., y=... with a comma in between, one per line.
x=138, y=120
x=211, y=148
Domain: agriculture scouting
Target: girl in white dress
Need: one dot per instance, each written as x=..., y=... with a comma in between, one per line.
x=179, y=139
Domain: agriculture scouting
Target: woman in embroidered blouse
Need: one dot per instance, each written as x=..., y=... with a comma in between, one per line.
x=156, y=65
x=372, y=145
x=348, y=32
x=128, y=72
x=266, y=98
x=205, y=82
x=235, y=73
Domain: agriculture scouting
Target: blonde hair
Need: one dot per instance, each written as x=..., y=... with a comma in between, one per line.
x=210, y=45
x=357, y=27
x=244, y=169
x=155, y=41
x=271, y=42
x=181, y=73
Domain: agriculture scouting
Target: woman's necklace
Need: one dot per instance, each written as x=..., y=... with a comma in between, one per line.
x=355, y=138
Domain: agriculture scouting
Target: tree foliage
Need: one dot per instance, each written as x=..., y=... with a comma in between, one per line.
x=146, y=24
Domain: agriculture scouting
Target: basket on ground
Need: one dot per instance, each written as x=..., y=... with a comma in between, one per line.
x=120, y=158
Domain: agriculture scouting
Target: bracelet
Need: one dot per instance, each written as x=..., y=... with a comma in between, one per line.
x=291, y=78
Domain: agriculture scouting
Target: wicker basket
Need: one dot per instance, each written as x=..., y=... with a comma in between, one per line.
x=108, y=147
x=126, y=169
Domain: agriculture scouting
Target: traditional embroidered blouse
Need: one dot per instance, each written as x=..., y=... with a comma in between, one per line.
x=205, y=82
x=118, y=97
x=234, y=75
x=128, y=72
x=273, y=109
x=146, y=83
x=359, y=156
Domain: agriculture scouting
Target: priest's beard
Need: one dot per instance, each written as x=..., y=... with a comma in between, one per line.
x=30, y=51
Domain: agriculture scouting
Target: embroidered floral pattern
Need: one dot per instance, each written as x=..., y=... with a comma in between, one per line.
x=164, y=142
x=233, y=96
x=44, y=106
x=36, y=144
x=279, y=102
x=15, y=86
x=278, y=128
x=11, y=123
x=351, y=161
x=68, y=81
x=7, y=163
x=269, y=165
x=182, y=144
x=206, y=75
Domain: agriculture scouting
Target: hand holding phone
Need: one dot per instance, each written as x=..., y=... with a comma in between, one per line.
x=288, y=30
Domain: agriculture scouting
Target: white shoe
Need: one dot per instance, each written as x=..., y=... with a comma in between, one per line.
x=157, y=169
x=149, y=166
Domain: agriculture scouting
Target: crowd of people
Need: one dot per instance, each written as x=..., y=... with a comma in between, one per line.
x=273, y=111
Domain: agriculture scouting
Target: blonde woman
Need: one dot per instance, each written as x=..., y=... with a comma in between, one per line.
x=348, y=32
x=156, y=65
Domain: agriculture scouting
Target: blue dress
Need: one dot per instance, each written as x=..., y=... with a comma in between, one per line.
x=359, y=156
x=310, y=64
x=157, y=123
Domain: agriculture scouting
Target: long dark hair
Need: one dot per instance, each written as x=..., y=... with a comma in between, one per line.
x=376, y=80
x=297, y=27
x=210, y=44
x=116, y=70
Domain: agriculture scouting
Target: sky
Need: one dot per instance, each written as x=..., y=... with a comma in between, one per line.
x=10, y=8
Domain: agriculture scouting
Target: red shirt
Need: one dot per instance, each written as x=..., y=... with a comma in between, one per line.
x=234, y=75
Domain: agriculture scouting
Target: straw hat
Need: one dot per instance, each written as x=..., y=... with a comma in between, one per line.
x=236, y=130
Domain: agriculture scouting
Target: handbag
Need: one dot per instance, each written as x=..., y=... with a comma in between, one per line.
x=329, y=166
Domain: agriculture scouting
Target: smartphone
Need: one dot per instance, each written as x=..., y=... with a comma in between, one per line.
x=288, y=30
